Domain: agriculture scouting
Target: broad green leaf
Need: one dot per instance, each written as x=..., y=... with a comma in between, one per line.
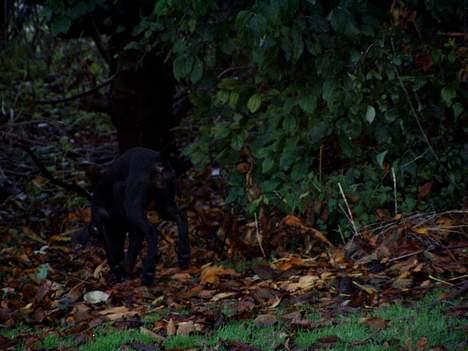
x=220, y=130
x=222, y=97
x=286, y=160
x=254, y=103
x=343, y=22
x=229, y=84
x=197, y=71
x=233, y=99
x=448, y=93
x=133, y=45
x=78, y=9
x=308, y=103
x=297, y=45
x=290, y=124
x=182, y=66
x=457, y=109
x=61, y=24
x=267, y=165
x=237, y=142
x=270, y=186
x=370, y=114
x=318, y=132
x=328, y=90
x=381, y=157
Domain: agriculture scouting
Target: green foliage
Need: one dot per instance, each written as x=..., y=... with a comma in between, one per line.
x=320, y=93
x=61, y=14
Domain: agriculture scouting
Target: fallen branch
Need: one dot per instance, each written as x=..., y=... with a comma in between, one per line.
x=68, y=186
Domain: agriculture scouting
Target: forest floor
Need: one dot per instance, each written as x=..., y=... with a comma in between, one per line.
x=399, y=285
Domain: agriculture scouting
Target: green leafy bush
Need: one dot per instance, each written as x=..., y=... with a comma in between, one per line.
x=319, y=93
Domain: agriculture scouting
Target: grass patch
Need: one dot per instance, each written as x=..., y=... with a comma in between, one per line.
x=407, y=325
x=112, y=339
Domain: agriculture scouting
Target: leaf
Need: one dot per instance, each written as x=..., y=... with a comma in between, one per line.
x=152, y=335
x=222, y=296
x=343, y=22
x=448, y=93
x=267, y=165
x=211, y=274
x=187, y=328
x=305, y=283
x=254, y=103
x=366, y=288
x=61, y=24
x=265, y=320
x=182, y=66
x=381, y=157
x=237, y=142
x=376, y=323
x=370, y=114
x=287, y=263
x=197, y=71
x=42, y=271
x=96, y=296
x=170, y=328
x=297, y=45
x=308, y=103
x=119, y=312
x=328, y=90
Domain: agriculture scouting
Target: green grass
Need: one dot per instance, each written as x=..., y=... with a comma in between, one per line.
x=112, y=340
x=407, y=324
x=426, y=318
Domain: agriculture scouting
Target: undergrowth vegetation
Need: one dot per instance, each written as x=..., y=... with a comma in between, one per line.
x=296, y=99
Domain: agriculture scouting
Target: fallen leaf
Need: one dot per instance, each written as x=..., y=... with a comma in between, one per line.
x=211, y=274
x=170, y=328
x=151, y=334
x=422, y=230
x=291, y=220
x=402, y=283
x=28, y=232
x=98, y=271
x=367, y=288
x=286, y=263
x=59, y=238
x=96, y=296
x=222, y=296
x=118, y=312
x=265, y=320
x=182, y=277
x=305, y=283
x=375, y=323
x=187, y=328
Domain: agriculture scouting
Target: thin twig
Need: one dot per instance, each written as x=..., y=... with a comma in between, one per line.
x=395, y=191
x=78, y=96
x=320, y=163
x=405, y=256
x=257, y=234
x=350, y=214
x=231, y=69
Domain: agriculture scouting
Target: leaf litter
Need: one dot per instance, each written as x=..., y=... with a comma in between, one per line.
x=51, y=282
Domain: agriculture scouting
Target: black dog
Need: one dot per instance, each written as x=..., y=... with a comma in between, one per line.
x=136, y=180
